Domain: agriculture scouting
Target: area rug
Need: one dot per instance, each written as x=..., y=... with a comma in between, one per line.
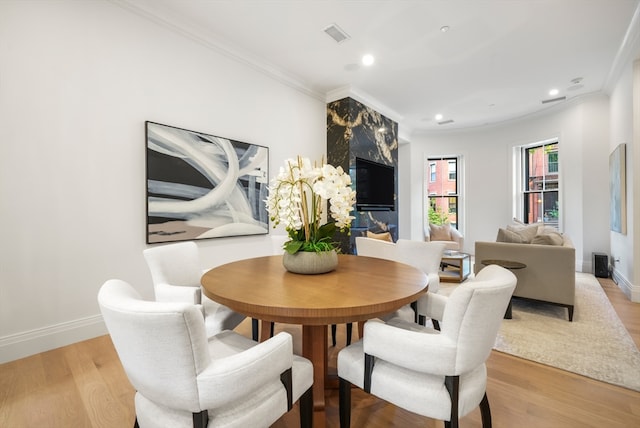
x=595, y=344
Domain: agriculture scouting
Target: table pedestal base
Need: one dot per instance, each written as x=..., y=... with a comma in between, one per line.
x=314, y=347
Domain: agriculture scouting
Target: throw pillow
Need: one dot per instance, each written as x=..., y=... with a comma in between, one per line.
x=548, y=239
x=548, y=236
x=505, y=235
x=543, y=230
x=385, y=236
x=440, y=232
x=526, y=232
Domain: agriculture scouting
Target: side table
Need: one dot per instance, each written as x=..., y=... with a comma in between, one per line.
x=461, y=262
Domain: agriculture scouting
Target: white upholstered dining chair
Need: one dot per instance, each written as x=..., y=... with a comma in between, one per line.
x=437, y=374
x=176, y=273
x=183, y=379
x=425, y=256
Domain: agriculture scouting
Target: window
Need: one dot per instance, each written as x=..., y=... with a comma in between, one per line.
x=442, y=191
x=540, y=183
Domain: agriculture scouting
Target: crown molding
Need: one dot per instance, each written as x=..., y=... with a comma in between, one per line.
x=155, y=13
x=630, y=46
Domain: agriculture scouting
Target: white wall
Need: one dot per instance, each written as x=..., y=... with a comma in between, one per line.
x=625, y=128
x=77, y=82
x=582, y=127
x=625, y=249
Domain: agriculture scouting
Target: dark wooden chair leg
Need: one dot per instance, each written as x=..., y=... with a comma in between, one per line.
x=436, y=324
x=485, y=412
x=369, y=362
x=306, y=409
x=255, y=329
x=344, y=403
x=422, y=320
x=273, y=326
x=349, y=333
x=201, y=419
x=452, y=383
x=286, y=377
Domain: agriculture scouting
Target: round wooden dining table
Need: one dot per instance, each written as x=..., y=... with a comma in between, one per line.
x=360, y=288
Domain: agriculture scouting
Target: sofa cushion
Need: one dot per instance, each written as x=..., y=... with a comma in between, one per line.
x=385, y=236
x=440, y=232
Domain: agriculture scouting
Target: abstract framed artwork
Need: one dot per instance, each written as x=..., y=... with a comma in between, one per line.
x=202, y=186
x=618, y=189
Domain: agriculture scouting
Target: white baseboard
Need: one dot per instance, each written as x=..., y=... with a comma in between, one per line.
x=630, y=290
x=32, y=342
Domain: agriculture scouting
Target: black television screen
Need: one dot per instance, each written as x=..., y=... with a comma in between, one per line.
x=375, y=186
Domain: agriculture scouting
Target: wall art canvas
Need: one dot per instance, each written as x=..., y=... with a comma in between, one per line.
x=618, y=189
x=203, y=186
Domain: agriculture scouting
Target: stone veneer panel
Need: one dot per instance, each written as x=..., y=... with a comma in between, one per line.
x=355, y=130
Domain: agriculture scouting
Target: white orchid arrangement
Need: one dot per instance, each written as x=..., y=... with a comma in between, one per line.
x=297, y=196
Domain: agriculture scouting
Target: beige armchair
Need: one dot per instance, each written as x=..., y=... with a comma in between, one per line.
x=451, y=237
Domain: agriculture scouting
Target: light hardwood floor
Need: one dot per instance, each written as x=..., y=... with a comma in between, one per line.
x=83, y=385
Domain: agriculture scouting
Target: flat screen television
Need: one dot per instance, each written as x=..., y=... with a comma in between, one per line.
x=375, y=186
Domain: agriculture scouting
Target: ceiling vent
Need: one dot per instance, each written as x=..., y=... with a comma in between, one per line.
x=336, y=33
x=553, y=100
x=445, y=122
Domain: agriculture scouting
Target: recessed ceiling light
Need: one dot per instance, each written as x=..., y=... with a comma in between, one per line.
x=553, y=92
x=444, y=28
x=439, y=116
x=368, y=60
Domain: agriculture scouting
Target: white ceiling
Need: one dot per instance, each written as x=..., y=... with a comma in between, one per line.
x=497, y=62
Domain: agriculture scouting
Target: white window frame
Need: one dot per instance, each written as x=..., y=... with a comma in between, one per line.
x=519, y=174
x=460, y=187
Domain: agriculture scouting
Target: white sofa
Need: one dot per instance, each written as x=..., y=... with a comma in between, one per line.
x=549, y=275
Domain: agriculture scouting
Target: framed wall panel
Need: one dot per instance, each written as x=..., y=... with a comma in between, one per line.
x=618, y=189
x=203, y=186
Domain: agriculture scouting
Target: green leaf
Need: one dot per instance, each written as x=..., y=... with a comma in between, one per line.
x=293, y=247
x=326, y=230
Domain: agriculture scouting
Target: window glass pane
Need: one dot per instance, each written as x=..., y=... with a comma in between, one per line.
x=550, y=206
x=452, y=170
x=552, y=162
x=533, y=206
